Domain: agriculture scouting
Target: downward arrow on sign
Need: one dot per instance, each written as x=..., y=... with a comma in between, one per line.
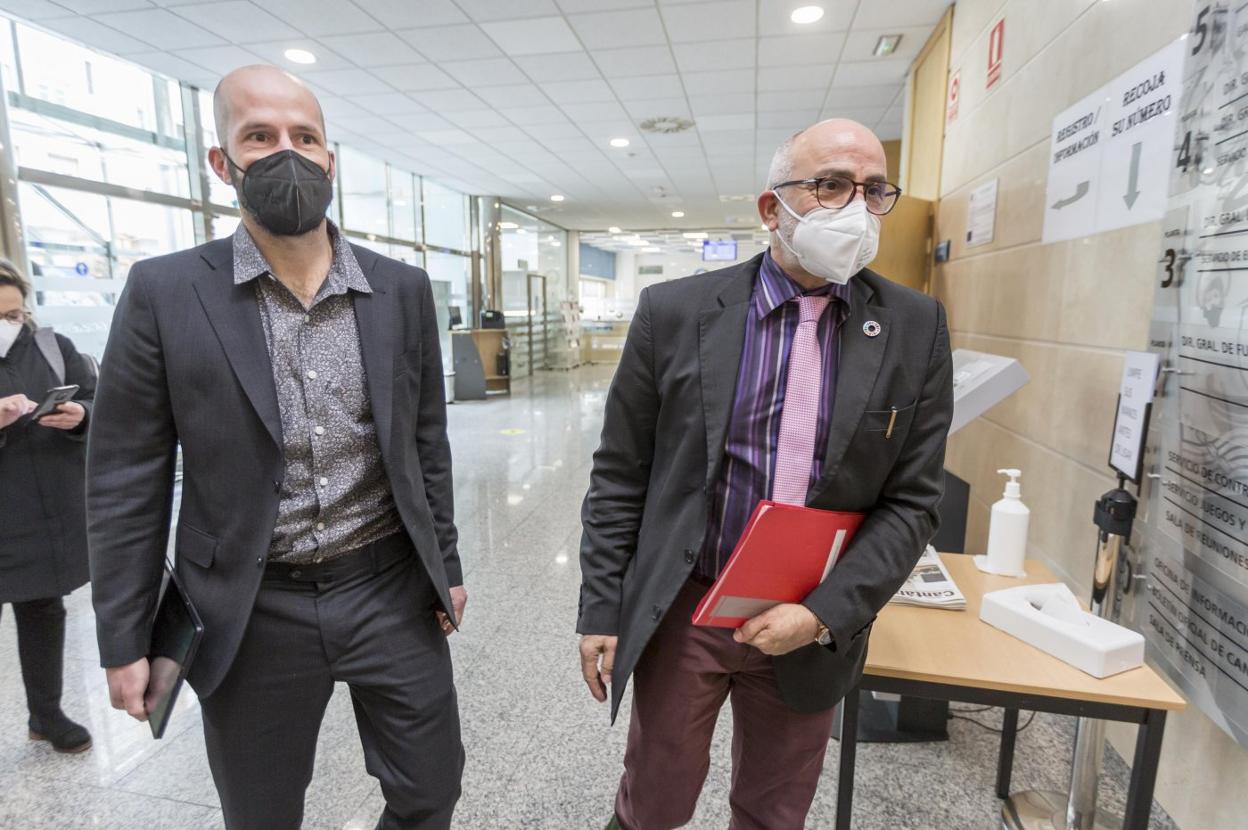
x=1133, y=177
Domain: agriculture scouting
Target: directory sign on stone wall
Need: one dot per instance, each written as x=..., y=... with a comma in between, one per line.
x=1192, y=605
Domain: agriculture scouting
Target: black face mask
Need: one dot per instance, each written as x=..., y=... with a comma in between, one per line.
x=286, y=192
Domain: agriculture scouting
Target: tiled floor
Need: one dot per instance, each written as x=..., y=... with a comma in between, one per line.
x=540, y=751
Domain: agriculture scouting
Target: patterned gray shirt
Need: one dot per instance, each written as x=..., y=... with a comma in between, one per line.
x=335, y=496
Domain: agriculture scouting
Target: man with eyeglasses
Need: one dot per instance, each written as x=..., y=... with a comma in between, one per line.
x=798, y=376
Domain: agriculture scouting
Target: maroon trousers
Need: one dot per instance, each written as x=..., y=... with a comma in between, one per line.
x=680, y=683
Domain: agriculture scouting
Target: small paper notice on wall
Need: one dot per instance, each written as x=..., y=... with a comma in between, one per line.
x=981, y=218
x=1139, y=376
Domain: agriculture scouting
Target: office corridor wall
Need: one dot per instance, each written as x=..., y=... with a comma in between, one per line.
x=1067, y=310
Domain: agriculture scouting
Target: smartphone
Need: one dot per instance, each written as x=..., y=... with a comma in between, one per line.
x=55, y=397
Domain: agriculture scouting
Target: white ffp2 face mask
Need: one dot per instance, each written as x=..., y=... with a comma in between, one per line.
x=834, y=244
x=8, y=335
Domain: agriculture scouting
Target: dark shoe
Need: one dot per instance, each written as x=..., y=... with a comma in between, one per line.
x=64, y=735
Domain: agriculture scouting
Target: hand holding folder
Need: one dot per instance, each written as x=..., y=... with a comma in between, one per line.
x=783, y=555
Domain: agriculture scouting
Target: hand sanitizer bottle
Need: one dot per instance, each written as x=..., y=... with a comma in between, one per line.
x=1007, y=532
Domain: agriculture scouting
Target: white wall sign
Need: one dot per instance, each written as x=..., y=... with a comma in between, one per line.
x=981, y=220
x=1109, y=153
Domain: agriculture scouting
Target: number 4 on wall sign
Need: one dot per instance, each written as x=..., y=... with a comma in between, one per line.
x=996, y=53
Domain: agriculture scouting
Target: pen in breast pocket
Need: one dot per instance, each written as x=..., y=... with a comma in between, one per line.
x=892, y=419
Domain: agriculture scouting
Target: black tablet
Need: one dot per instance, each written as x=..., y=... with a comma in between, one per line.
x=176, y=633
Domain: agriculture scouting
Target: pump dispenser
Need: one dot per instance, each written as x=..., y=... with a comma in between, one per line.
x=1007, y=531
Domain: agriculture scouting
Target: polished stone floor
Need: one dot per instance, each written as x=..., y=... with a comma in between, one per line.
x=540, y=751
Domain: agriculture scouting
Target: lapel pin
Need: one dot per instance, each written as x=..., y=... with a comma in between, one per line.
x=871, y=328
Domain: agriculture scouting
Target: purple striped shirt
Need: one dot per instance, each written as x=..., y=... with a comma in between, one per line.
x=754, y=426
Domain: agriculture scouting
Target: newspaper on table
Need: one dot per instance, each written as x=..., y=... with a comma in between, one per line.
x=929, y=585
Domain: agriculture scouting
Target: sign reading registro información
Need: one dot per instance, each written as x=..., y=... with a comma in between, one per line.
x=1192, y=538
x=1109, y=153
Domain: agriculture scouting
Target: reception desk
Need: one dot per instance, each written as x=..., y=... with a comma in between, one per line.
x=479, y=355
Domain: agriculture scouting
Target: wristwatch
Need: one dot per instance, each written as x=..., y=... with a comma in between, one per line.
x=823, y=636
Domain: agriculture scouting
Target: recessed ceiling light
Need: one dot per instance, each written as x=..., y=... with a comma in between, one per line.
x=651, y=249
x=557, y=197
x=678, y=214
x=806, y=14
x=507, y=226
x=886, y=45
x=694, y=235
x=619, y=142
x=300, y=56
x=613, y=229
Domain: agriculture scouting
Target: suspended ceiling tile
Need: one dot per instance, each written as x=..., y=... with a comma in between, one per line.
x=373, y=49
x=715, y=56
x=484, y=10
x=615, y=29
x=162, y=27
x=635, y=61
x=533, y=36
x=481, y=71
x=97, y=35
x=710, y=21
x=578, y=92
x=400, y=14
x=450, y=43
x=787, y=79
x=238, y=21
x=415, y=77
x=798, y=50
x=323, y=17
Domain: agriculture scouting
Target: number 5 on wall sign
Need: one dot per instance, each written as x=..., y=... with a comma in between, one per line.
x=996, y=53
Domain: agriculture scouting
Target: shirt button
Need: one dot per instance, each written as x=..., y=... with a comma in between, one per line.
x=312, y=374
x=277, y=486
x=689, y=557
x=656, y=613
x=259, y=561
x=324, y=481
x=319, y=430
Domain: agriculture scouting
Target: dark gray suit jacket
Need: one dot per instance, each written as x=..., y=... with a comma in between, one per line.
x=663, y=444
x=187, y=363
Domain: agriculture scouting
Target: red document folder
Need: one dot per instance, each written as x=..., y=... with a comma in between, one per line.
x=784, y=553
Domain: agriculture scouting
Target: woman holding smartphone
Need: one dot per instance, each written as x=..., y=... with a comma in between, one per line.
x=43, y=545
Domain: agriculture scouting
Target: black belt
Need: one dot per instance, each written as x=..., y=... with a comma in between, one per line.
x=374, y=557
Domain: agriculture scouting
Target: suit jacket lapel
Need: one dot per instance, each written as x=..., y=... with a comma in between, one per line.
x=721, y=338
x=860, y=360
x=235, y=317
x=374, y=317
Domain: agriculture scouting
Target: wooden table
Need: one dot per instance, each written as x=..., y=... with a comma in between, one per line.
x=939, y=654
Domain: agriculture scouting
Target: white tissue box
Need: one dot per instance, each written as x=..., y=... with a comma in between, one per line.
x=1050, y=618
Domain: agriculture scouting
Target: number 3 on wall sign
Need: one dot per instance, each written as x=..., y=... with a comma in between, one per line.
x=1168, y=259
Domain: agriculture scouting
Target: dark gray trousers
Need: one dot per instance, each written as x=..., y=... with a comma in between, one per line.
x=373, y=630
x=41, y=652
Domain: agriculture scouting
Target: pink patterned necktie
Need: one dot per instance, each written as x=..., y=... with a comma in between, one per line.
x=795, y=452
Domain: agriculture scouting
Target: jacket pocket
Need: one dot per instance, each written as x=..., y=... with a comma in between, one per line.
x=195, y=546
x=889, y=422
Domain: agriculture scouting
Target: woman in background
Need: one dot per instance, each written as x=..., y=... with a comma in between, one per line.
x=43, y=544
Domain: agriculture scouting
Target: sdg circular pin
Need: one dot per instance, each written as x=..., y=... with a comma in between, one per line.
x=871, y=328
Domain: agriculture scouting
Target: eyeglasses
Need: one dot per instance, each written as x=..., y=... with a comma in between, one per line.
x=16, y=316
x=835, y=192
